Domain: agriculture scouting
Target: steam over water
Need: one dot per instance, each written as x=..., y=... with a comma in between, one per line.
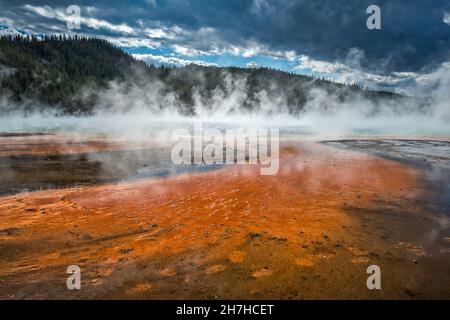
x=140, y=113
x=142, y=106
x=143, y=124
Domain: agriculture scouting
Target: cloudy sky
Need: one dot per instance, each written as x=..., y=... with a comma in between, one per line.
x=324, y=37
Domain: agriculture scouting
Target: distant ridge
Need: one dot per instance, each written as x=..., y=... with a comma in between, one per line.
x=39, y=71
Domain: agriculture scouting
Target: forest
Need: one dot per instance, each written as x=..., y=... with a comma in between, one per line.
x=55, y=72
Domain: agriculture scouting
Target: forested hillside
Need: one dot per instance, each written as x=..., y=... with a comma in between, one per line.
x=55, y=72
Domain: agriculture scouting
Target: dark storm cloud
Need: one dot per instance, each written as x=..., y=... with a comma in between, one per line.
x=413, y=35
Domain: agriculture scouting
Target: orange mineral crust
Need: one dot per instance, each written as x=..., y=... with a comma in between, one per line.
x=310, y=231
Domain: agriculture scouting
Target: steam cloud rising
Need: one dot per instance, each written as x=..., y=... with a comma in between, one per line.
x=143, y=105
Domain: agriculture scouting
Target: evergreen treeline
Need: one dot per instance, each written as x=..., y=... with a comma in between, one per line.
x=55, y=70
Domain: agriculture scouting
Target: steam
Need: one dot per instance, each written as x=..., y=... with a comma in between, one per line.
x=142, y=106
